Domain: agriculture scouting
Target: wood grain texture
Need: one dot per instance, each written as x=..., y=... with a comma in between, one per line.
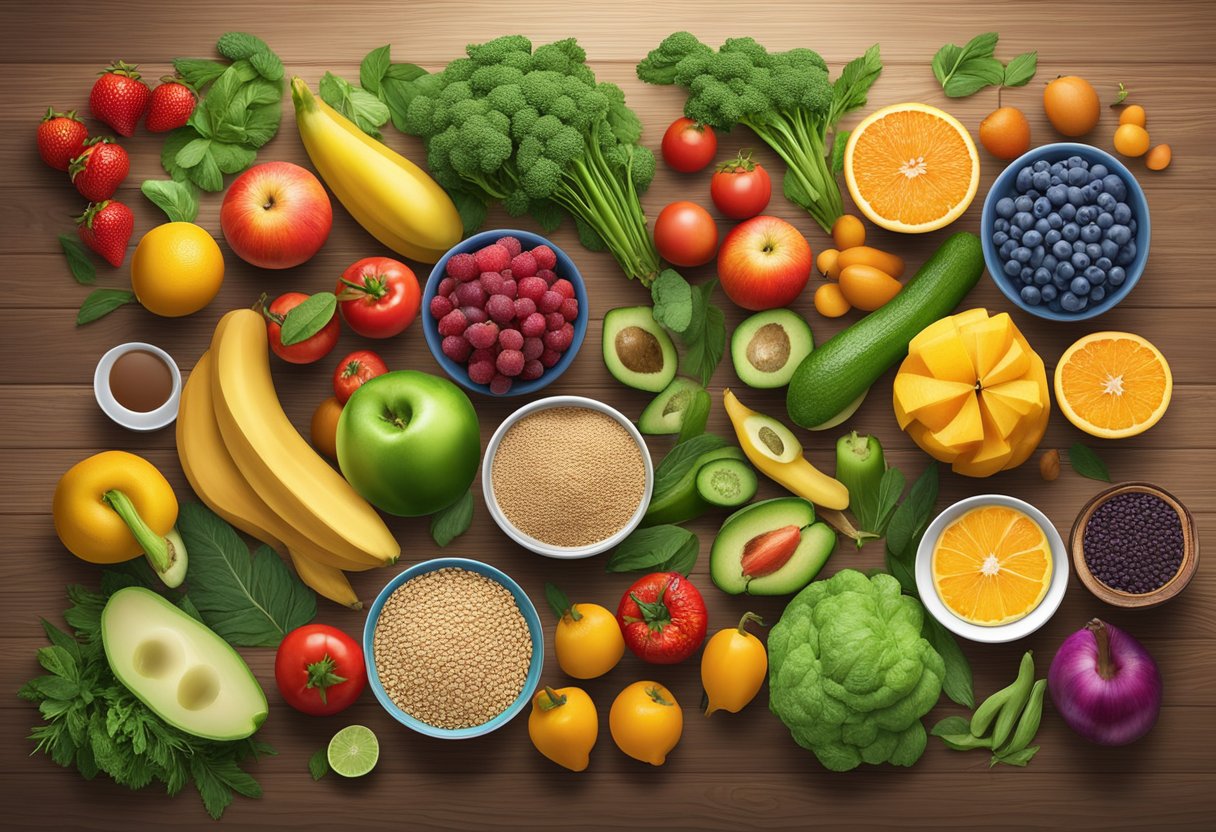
x=730, y=772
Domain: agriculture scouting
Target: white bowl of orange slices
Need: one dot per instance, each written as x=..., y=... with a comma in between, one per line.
x=991, y=569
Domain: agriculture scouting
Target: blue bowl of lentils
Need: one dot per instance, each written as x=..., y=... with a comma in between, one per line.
x=1065, y=231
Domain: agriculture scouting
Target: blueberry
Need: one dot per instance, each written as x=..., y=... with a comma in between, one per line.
x=1049, y=292
x=1042, y=225
x=1041, y=180
x=1070, y=302
x=1126, y=255
x=1031, y=295
x=1022, y=181
x=1096, y=294
x=1041, y=208
x=1122, y=213
x=1057, y=195
x=1103, y=263
x=1092, y=191
x=1091, y=233
x=1086, y=214
x=1080, y=260
x=1050, y=261
x=1055, y=220
x=1109, y=249
x=1065, y=271
x=1026, y=275
x=1032, y=238
x=1131, y=225
x=1015, y=232
x=1037, y=254
x=1082, y=302
x=1052, y=237
x=1023, y=203
x=1075, y=196
x=1000, y=225
x=1095, y=276
x=1105, y=220
x=1062, y=249
x=1079, y=286
x=1013, y=268
x=1057, y=179
x=1074, y=162
x=1054, y=306
x=1106, y=202
x=1041, y=165
x=1033, y=194
x=1021, y=253
x=1093, y=251
x=999, y=238
x=1023, y=220
x=1006, y=248
x=1078, y=246
x=1068, y=212
x=1042, y=277
x=1099, y=171
x=1119, y=234
x=1004, y=207
x=1071, y=231
x=1114, y=186
x=1077, y=176
x=1116, y=275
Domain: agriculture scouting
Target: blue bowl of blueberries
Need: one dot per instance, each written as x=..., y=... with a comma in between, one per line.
x=1065, y=231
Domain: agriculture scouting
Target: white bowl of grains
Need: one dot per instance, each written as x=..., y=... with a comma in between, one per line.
x=454, y=648
x=567, y=477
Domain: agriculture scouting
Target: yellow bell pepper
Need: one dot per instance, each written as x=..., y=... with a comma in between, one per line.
x=646, y=722
x=733, y=667
x=564, y=726
x=115, y=506
x=776, y=452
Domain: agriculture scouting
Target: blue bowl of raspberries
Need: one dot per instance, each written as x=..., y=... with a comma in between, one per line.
x=505, y=312
x=1065, y=231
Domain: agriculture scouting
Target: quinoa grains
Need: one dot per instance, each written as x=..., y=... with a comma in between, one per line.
x=452, y=648
x=568, y=476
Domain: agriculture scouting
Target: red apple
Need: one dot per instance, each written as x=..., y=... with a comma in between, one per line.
x=276, y=215
x=764, y=263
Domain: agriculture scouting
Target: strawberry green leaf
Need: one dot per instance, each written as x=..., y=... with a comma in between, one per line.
x=102, y=302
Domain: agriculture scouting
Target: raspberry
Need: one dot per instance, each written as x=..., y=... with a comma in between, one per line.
x=545, y=257
x=463, y=267
x=560, y=339
x=564, y=288
x=456, y=348
x=481, y=372
x=440, y=306
x=446, y=286
x=500, y=385
x=492, y=282
x=493, y=258
x=550, y=357
x=475, y=314
x=533, y=325
x=511, y=244
x=524, y=307
x=523, y=265
x=510, y=288
x=532, y=370
x=511, y=339
x=547, y=275
x=501, y=308
x=533, y=347
x=478, y=356
x=569, y=309
x=482, y=336
x=510, y=362
x=471, y=294
x=550, y=301
x=453, y=323
x=554, y=320
x=506, y=274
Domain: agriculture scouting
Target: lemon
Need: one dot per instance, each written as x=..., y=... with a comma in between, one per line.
x=177, y=269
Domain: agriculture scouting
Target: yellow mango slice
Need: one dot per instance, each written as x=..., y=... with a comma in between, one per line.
x=1004, y=418
x=1021, y=394
x=991, y=456
x=935, y=330
x=925, y=441
x=966, y=428
x=931, y=401
x=987, y=341
x=1012, y=365
x=946, y=358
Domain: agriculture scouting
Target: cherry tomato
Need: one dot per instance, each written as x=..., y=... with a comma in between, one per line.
x=324, y=427
x=319, y=669
x=830, y=302
x=379, y=296
x=663, y=618
x=741, y=188
x=848, y=231
x=311, y=349
x=686, y=234
x=688, y=146
x=354, y=370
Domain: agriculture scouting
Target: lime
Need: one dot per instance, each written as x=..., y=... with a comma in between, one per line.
x=353, y=751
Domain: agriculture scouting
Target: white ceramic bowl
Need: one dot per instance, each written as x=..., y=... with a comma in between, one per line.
x=538, y=546
x=1005, y=632
x=134, y=419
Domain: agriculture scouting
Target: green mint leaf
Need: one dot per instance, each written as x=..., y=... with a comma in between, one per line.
x=268, y=65
x=696, y=417
x=653, y=549
x=373, y=68
x=309, y=318
x=206, y=174
x=472, y=210
x=951, y=725
x=1021, y=69
x=175, y=142
x=397, y=90
x=840, y=141
x=261, y=124
x=559, y=602
x=890, y=487
x=1086, y=462
x=357, y=104
x=179, y=200
x=198, y=72
x=318, y=764
x=944, y=62
x=231, y=158
x=237, y=45
x=956, y=684
x=1121, y=95
x=679, y=462
x=974, y=75
x=102, y=302
x=1015, y=758
x=980, y=46
x=850, y=89
x=672, y=298
x=453, y=521
x=193, y=153
x=79, y=262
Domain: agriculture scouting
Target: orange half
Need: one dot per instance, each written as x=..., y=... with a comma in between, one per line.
x=1113, y=384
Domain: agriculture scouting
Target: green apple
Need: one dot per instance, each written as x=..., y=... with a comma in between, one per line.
x=409, y=442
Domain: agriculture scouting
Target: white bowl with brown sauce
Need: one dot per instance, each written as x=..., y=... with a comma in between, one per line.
x=139, y=386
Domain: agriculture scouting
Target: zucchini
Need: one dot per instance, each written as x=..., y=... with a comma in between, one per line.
x=837, y=373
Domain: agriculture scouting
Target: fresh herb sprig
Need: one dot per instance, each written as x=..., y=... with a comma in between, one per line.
x=1086, y=462
x=665, y=548
x=689, y=313
x=965, y=70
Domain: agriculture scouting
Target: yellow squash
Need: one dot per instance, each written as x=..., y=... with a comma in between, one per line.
x=564, y=726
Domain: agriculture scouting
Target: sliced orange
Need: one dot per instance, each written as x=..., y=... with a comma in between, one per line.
x=992, y=565
x=1113, y=384
x=911, y=168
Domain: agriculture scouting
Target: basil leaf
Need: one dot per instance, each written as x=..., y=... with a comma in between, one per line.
x=309, y=318
x=957, y=683
x=397, y=90
x=453, y=521
x=197, y=72
x=1087, y=463
x=102, y=302
x=79, y=261
x=849, y=90
x=696, y=416
x=373, y=68
x=680, y=460
x=1021, y=69
x=672, y=298
x=703, y=355
x=179, y=200
x=366, y=110
x=655, y=549
x=951, y=725
x=318, y=764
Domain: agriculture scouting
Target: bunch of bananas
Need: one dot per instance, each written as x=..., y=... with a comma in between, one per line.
x=247, y=462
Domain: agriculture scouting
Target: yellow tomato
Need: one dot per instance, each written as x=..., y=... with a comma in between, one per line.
x=733, y=667
x=866, y=287
x=646, y=722
x=830, y=301
x=1133, y=114
x=1131, y=140
x=826, y=263
x=1158, y=158
x=848, y=231
x=177, y=269
x=564, y=726
x=588, y=642
x=869, y=256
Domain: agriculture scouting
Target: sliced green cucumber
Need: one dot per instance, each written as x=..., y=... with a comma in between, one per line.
x=726, y=482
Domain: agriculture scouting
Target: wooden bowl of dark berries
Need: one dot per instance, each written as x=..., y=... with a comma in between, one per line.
x=1135, y=545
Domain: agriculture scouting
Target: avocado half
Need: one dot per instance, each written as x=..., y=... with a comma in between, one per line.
x=178, y=667
x=767, y=348
x=637, y=351
x=779, y=539
x=665, y=414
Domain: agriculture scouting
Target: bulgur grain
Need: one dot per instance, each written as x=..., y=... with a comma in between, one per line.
x=452, y=648
x=568, y=476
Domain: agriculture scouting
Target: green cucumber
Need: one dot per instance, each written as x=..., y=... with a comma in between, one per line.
x=682, y=502
x=726, y=482
x=835, y=374
x=860, y=466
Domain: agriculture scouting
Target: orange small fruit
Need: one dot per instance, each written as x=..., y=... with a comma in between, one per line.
x=830, y=301
x=1131, y=140
x=1113, y=384
x=848, y=231
x=324, y=428
x=1005, y=133
x=1072, y=105
x=1159, y=157
x=1133, y=114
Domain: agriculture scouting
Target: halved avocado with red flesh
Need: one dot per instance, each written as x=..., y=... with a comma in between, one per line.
x=773, y=547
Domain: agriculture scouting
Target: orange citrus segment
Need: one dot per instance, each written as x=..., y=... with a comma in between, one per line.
x=992, y=565
x=1113, y=384
x=911, y=168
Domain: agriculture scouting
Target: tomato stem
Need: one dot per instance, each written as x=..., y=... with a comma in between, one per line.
x=321, y=675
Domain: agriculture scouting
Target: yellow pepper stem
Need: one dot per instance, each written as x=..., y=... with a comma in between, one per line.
x=747, y=617
x=552, y=699
x=160, y=550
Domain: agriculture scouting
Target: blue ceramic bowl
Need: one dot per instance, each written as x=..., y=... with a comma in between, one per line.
x=1004, y=186
x=565, y=268
x=534, y=630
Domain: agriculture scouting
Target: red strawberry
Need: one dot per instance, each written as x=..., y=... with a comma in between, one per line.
x=60, y=138
x=99, y=169
x=172, y=103
x=119, y=98
x=106, y=228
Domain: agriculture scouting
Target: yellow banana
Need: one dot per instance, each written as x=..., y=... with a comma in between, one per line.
x=390, y=196
x=280, y=466
x=326, y=581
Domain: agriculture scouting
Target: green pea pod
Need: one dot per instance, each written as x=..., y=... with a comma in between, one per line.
x=1028, y=725
x=966, y=742
x=990, y=707
x=1013, y=707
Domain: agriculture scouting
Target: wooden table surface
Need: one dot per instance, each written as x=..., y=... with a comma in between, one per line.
x=728, y=772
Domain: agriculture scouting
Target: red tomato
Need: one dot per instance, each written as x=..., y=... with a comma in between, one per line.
x=663, y=618
x=310, y=349
x=379, y=297
x=741, y=188
x=356, y=368
x=686, y=234
x=688, y=146
x=319, y=669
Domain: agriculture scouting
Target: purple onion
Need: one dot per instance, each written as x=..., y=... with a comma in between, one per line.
x=1105, y=685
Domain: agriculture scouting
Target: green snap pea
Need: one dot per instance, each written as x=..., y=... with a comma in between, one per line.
x=1028, y=725
x=990, y=707
x=1016, y=702
x=965, y=742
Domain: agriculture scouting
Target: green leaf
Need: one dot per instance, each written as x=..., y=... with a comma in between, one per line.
x=472, y=210
x=974, y=75
x=179, y=200
x=680, y=460
x=318, y=764
x=548, y=215
x=175, y=142
x=309, y=318
x=959, y=70
x=261, y=124
x=187, y=606
x=59, y=638
x=366, y=110
x=559, y=602
x=1021, y=69
x=944, y=62
x=672, y=297
x=840, y=141
x=850, y=89
x=102, y=302
x=231, y=158
x=250, y=601
x=588, y=237
x=79, y=262
x=236, y=45
x=981, y=46
x=1086, y=462
x=655, y=549
x=373, y=68
x=1015, y=758
x=193, y=153
x=453, y=521
x=696, y=417
x=701, y=357
x=206, y=174
x=397, y=90
x=913, y=515
x=957, y=683
x=1120, y=95
x=198, y=72
x=890, y=487
x=268, y=65
x=951, y=725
